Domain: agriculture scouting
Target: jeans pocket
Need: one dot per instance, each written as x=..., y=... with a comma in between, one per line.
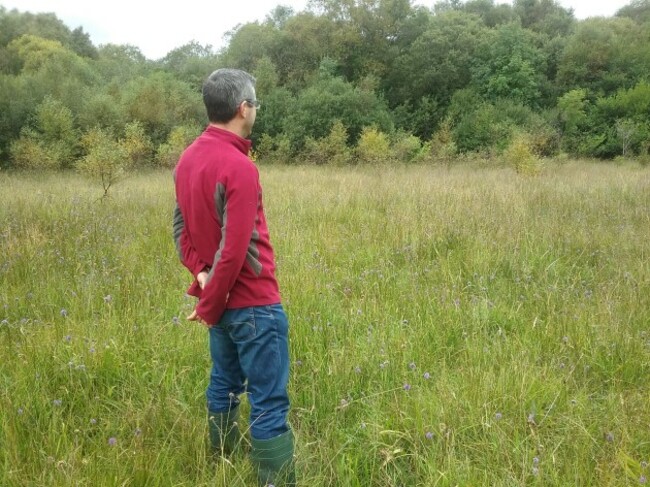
x=241, y=325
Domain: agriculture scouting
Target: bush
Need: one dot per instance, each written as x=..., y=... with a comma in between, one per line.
x=51, y=142
x=373, y=147
x=105, y=158
x=406, y=147
x=332, y=150
x=179, y=138
x=521, y=156
x=274, y=150
x=137, y=144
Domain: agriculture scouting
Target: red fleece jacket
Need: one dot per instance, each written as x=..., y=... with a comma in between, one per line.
x=220, y=227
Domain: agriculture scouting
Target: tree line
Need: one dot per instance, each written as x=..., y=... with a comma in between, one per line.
x=345, y=81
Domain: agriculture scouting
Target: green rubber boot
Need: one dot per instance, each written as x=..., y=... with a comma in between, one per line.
x=273, y=460
x=224, y=431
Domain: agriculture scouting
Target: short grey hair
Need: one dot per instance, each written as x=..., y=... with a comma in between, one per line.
x=223, y=92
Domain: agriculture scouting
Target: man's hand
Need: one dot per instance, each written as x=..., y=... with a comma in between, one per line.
x=195, y=317
x=202, y=279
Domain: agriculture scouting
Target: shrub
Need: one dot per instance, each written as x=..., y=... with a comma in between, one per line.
x=332, y=149
x=179, y=138
x=105, y=158
x=137, y=144
x=521, y=156
x=406, y=147
x=373, y=147
x=274, y=150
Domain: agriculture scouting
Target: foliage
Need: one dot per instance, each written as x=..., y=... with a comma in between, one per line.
x=105, y=159
x=373, y=147
x=332, y=149
x=488, y=70
x=179, y=138
x=521, y=156
x=137, y=145
x=50, y=142
x=329, y=99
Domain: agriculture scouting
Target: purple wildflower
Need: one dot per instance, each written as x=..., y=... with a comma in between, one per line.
x=68, y=338
x=407, y=387
x=427, y=375
x=112, y=441
x=498, y=416
x=357, y=369
x=428, y=435
x=643, y=480
x=93, y=421
x=64, y=312
x=20, y=411
x=137, y=432
x=609, y=437
x=175, y=320
x=535, y=461
x=57, y=402
x=108, y=298
x=412, y=366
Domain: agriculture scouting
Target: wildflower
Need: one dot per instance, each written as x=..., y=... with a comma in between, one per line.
x=412, y=366
x=427, y=375
x=175, y=320
x=93, y=421
x=108, y=298
x=407, y=387
x=112, y=441
x=644, y=464
x=609, y=437
x=137, y=432
x=68, y=338
x=535, y=461
x=643, y=480
x=363, y=426
x=298, y=363
x=357, y=369
x=20, y=411
x=64, y=312
x=57, y=402
x=92, y=350
x=565, y=339
x=428, y=435
x=498, y=416
x=535, y=471
x=4, y=322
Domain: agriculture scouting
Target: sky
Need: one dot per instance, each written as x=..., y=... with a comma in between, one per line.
x=158, y=27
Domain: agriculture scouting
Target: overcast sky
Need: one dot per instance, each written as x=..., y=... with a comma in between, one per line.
x=158, y=27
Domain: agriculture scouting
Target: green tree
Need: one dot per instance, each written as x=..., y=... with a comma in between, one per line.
x=511, y=65
x=191, y=63
x=105, y=159
x=329, y=99
x=604, y=55
x=50, y=143
x=160, y=102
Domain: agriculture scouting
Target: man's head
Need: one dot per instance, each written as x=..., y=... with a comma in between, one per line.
x=229, y=98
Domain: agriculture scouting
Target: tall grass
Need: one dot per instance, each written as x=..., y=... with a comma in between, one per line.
x=448, y=327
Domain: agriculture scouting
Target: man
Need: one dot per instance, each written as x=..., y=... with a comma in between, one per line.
x=222, y=237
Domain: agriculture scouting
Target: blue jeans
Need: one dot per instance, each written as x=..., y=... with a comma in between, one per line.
x=251, y=345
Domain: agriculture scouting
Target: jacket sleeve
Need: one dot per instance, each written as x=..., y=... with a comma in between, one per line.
x=186, y=252
x=238, y=222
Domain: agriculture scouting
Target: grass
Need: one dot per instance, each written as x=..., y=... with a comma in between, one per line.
x=448, y=327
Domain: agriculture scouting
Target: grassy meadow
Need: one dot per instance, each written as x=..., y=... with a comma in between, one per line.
x=449, y=327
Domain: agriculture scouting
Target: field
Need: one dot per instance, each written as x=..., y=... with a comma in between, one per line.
x=449, y=326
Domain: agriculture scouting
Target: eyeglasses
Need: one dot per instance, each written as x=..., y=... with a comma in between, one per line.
x=253, y=103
